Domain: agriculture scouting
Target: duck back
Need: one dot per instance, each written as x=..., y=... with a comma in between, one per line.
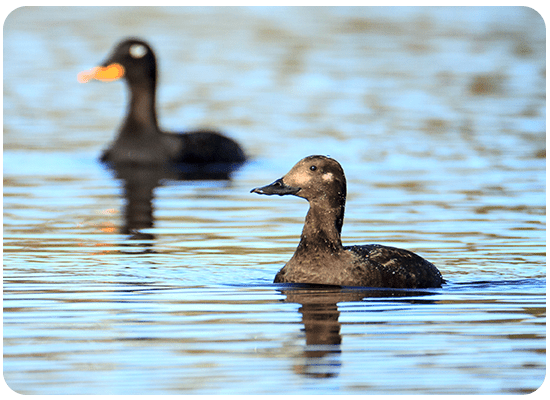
x=385, y=266
x=205, y=146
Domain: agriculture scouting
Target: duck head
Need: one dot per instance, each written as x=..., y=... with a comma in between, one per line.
x=132, y=59
x=318, y=179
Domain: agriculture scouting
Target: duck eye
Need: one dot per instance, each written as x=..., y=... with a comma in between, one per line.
x=137, y=50
x=313, y=168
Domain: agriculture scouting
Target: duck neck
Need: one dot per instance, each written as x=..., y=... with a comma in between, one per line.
x=141, y=119
x=322, y=228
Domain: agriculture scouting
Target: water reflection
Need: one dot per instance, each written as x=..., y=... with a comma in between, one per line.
x=320, y=316
x=139, y=183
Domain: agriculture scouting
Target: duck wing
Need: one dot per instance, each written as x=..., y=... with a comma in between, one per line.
x=393, y=267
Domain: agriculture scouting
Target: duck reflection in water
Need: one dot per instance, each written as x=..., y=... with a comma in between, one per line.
x=139, y=184
x=320, y=317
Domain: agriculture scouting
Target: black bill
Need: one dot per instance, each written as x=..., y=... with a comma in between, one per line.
x=277, y=187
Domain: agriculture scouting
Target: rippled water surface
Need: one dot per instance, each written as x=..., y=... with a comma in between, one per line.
x=437, y=116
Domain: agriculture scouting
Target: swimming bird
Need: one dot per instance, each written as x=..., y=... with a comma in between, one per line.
x=320, y=258
x=140, y=140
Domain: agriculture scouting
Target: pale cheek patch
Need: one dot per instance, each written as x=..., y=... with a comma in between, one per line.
x=298, y=179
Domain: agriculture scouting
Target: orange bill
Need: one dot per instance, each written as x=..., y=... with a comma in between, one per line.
x=105, y=74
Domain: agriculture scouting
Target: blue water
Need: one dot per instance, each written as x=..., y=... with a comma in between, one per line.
x=438, y=118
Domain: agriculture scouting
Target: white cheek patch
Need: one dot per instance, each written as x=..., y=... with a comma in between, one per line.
x=137, y=50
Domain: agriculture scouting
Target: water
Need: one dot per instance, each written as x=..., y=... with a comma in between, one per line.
x=438, y=118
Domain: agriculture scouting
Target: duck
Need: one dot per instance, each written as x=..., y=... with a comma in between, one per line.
x=320, y=258
x=140, y=140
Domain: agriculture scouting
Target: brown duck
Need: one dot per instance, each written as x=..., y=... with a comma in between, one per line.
x=320, y=257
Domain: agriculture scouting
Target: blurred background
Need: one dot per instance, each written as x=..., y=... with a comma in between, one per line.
x=438, y=117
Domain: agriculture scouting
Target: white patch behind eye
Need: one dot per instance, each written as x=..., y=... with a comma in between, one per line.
x=328, y=176
x=137, y=50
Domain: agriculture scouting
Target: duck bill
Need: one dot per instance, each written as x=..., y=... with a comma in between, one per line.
x=106, y=73
x=277, y=187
